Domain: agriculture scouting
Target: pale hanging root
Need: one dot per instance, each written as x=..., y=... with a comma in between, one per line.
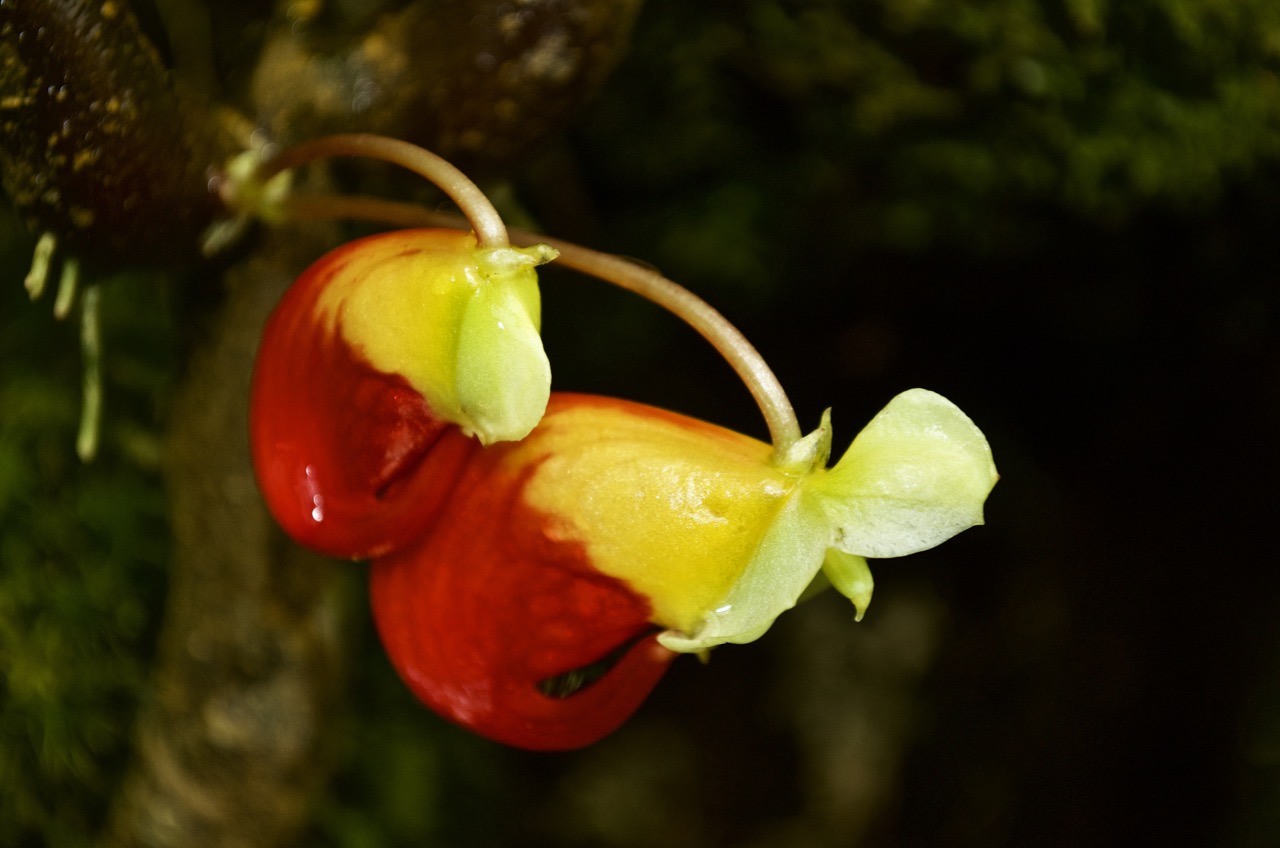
x=90, y=333
x=91, y=349
x=38, y=276
x=68, y=288
x=784, y=430
x=37, y=279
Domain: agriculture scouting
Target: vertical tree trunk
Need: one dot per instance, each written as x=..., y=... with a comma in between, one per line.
x=232, y=744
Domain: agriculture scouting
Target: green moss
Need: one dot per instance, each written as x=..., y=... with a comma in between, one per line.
x=938, y=124
x=82, y=549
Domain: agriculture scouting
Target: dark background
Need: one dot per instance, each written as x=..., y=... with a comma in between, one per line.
x=1062, y=216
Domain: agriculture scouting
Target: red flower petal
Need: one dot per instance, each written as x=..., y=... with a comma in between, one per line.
x=352, y=462
x=489, y=606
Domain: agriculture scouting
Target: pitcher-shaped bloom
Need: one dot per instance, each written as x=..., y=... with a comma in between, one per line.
x=616, y=534
x=376, y=350
x=533, y=577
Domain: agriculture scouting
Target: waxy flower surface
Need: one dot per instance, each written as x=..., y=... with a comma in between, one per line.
x=374, y=351
x=616, y=527
x=538, y=559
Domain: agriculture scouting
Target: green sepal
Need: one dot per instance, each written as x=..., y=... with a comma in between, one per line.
x=503, y=378
x=851, y=576
x=917, y=475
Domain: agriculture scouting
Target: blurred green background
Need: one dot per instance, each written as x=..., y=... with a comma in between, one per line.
x=1062, y=215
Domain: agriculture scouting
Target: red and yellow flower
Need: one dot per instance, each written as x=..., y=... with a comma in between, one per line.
x=538, y=560
x=375, y=351
x=616, y=530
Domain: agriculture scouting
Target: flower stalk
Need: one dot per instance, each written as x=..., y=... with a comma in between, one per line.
x=475, y=206
x=742, y=356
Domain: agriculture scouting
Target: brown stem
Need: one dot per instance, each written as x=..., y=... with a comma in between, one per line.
x=484, y=219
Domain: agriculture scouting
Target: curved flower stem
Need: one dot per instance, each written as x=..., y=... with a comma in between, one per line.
x=483, y=218
x=784, y=430
x=746, y=361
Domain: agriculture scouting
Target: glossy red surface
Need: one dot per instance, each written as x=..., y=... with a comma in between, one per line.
x=351, y=461
x=475, y=599
x=489, y=603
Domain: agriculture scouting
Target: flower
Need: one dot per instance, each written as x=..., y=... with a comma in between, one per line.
x=376, y=350
x=534, y=575
x=616, y=535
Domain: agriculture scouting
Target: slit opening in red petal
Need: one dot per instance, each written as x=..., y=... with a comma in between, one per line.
x=575, y=680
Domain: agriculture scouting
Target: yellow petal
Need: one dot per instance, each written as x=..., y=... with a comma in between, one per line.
x=782, y=566
x=674, y=507
x=459, y=324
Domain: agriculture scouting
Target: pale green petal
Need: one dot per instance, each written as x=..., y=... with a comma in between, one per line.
x=503, y=376
x=916, y=476
x=851, y=576
x=783, y=565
